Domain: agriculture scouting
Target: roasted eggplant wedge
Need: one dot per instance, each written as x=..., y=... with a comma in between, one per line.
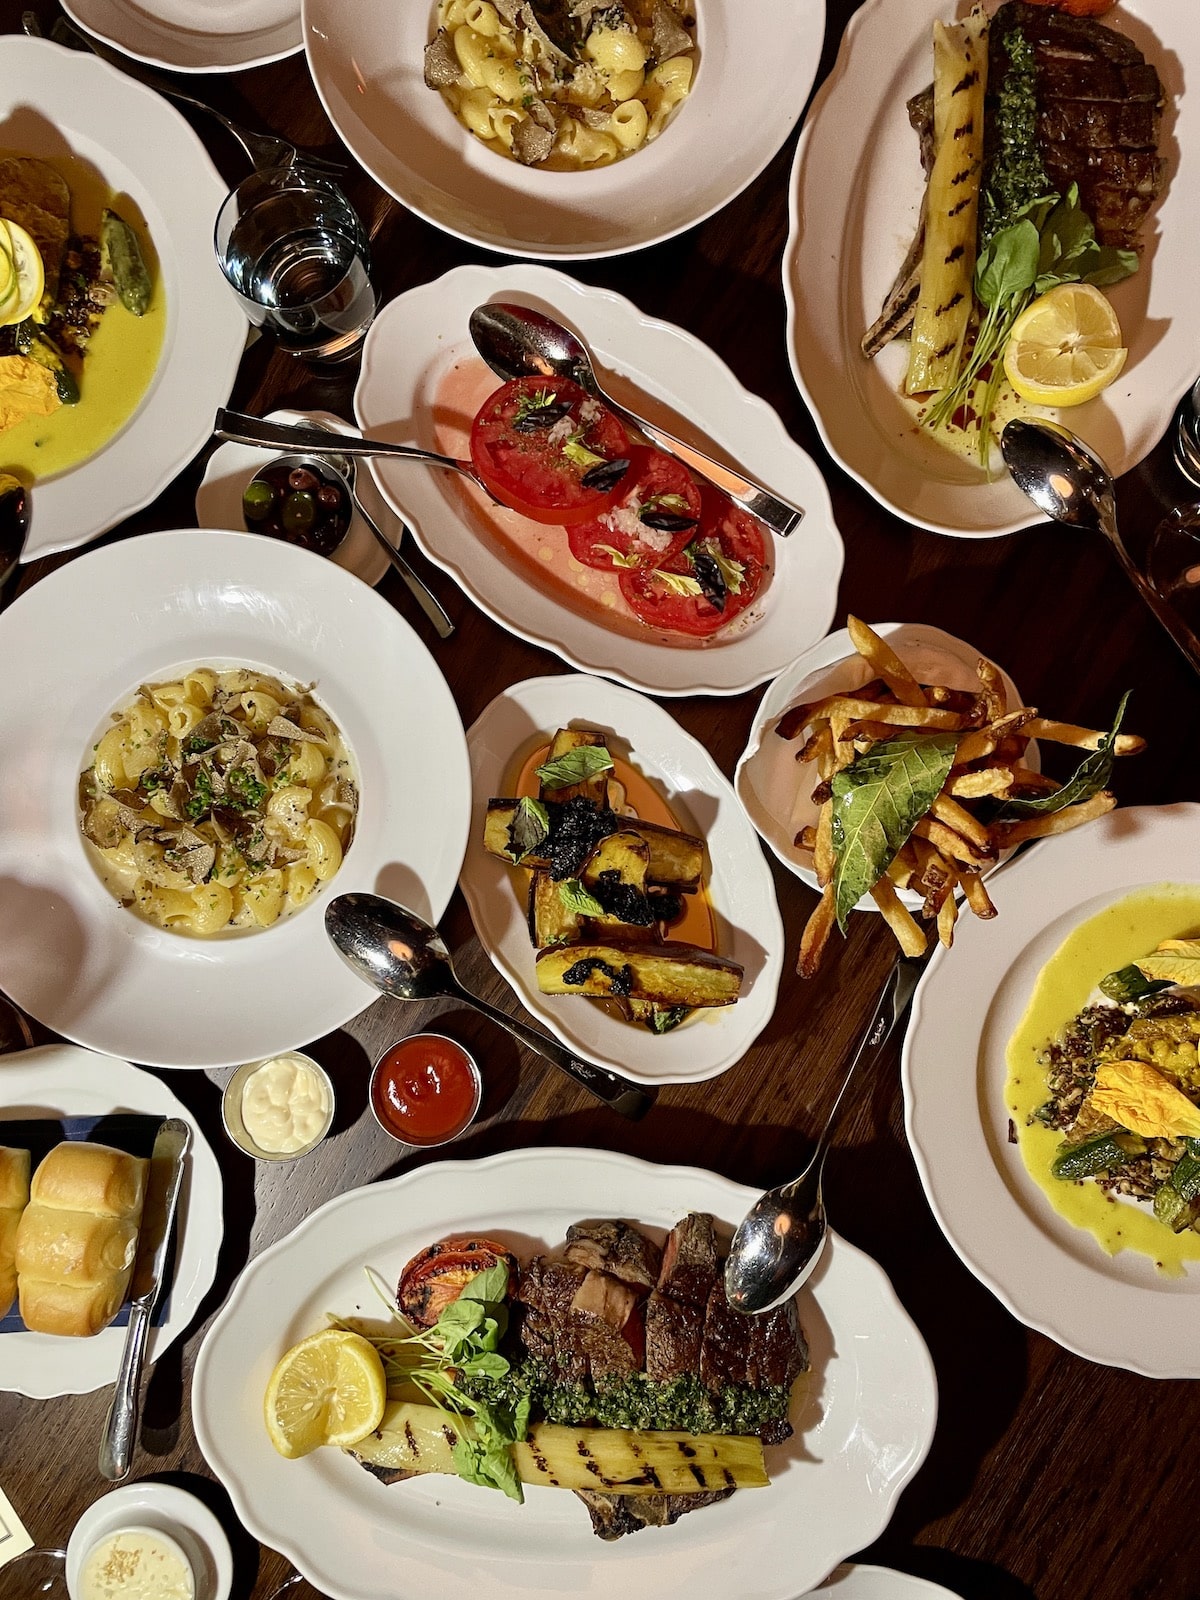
x=666, y=974
x=594, y=788
x=551, y=920
x=675, y=858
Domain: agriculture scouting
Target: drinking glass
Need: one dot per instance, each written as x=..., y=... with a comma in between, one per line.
x=1187, y=436
x=1173, y=563
x=293, y=249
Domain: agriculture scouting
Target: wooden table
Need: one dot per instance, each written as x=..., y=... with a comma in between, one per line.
x=1048, y=1475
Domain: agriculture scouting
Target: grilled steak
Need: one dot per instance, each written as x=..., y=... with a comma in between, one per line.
x=615, y=1248
x=1099, y=105
x=673, y=1334
x=689, y=1260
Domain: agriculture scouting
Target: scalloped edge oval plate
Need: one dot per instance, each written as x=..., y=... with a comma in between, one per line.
x=227, y=36
x=419, y=336
x=863, y=1424
x=853, y=209
x=740, y=887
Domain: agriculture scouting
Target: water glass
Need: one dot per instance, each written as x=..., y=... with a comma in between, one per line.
x=1173, y=563
x=293, y=249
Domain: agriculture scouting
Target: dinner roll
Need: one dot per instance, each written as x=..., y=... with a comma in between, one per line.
x=78, y=1237
x=14, y=1197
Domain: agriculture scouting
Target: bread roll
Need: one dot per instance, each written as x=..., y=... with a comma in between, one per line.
x=14, y=1197
x=77, y=1239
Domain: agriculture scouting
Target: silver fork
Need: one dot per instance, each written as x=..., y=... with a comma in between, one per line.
x=265, y=150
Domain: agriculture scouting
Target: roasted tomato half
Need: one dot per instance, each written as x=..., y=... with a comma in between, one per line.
x=655, y=513
x=440, y=1273
x=717, y=573
x=545, y=448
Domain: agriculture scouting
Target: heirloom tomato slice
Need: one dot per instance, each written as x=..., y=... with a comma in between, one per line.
x=655, y=512
x=717, y=574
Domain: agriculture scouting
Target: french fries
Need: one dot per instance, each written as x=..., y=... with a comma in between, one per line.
x=963, y=831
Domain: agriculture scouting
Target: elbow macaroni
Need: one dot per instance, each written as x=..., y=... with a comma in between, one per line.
x=201, y=819
x=607, y=101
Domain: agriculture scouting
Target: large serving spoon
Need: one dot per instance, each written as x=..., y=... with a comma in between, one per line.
x=239, y=428
x=1070, y=483
x=779, y=1242
x=517, y=342
x=402, y=955
x=15, y=512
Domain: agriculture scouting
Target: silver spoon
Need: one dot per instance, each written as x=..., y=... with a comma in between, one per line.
x=239, y=428
x=345, y=472
x=403, y=956
x=1070, y=483
x=517, y=342
x=779, y=1241
x=15, y=512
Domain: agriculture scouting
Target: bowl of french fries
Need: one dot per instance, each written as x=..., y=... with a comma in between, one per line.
x=893, y=767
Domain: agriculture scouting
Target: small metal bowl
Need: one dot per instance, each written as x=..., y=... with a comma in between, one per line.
x=374, y=1096
x=323, y=540
x=231, y=1109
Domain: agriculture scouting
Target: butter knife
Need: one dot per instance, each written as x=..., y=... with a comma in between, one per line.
x=154, y=1237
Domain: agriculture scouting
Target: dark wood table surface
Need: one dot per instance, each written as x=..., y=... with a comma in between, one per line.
x=1048, y=1475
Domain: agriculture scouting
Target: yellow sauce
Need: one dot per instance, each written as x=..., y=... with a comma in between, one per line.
x=121, y=358
x=1118, y=935
x=136, y=1564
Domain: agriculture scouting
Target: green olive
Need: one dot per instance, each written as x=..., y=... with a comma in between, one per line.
x=257, y=499
x=299, y=512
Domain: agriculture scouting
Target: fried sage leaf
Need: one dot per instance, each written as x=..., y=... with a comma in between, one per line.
x=1089, y=778
x=877, y=802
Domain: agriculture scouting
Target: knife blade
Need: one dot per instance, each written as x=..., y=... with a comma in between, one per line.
x=171, y=1145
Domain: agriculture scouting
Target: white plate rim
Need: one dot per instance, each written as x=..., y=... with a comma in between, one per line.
x=84, y=1083
x=871, y=35
x=408, y=849
x=607, y=190
x=808, y=566
x=855, y=1581
x=706, y=1048
x=781, y=693
x=639, y=1184
x=1073, y=1294
x=163, y=44
x=205, y=336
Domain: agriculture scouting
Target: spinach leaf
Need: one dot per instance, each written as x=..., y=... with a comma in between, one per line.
x=877, y=802
x=529, y=827
x=584, y=762
x=1090, y=776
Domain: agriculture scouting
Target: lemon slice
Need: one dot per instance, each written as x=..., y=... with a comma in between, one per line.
x=1065, y=348
x=27, y=275
x=328, y=1389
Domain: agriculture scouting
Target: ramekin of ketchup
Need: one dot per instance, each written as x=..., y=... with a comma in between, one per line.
x=425, y=1089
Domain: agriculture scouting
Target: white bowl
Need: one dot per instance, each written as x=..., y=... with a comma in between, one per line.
x=757, y=61
x=174, y=1515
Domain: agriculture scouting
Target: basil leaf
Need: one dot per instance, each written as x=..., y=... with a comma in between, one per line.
x=877, y=802
x=575, y=767
x=708, y=575
x=529, y=827
x=1131, y=983
x=1090, y=776
x=577, y=899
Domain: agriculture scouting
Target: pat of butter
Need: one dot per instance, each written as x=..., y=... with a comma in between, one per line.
x=285, y=1104
x=136, y=1564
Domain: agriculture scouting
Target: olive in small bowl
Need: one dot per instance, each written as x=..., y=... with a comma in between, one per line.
x=301, y=499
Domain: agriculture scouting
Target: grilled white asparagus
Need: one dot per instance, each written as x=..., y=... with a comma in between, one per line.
x=948, y=266
x=419, y=1439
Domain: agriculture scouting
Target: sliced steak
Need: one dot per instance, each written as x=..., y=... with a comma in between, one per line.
x=614, y=1515
x=673, y=1333
x=689, y=1261
x=725, y=1344
x=616, y=1248
x=544, y=1292
x=778, y=1350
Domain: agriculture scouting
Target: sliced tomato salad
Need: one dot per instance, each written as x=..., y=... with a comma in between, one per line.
x=655, y=513
x=704, y=585
x=547, y=449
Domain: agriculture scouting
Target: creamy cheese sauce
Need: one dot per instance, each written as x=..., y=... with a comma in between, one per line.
x=285, y=1105
x=136, y=1564
x=121, y=358
x=1118, y=935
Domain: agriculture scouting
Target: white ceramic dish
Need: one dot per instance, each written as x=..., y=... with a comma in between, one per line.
x=231, y=466
x=853, y=1582
x=1115, y=1310
x=757, y=62
x=854, y=205
x=137, y=611
x=62, y=1080
x=415, y=341
x=164, y=1509
x=57, y=101
x=862, y=1429
x=740, y=886
x=774, y=791
x=213, y=36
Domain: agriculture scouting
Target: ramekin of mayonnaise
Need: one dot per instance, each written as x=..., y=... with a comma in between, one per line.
x=135, y=1563
x=280, y=1108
